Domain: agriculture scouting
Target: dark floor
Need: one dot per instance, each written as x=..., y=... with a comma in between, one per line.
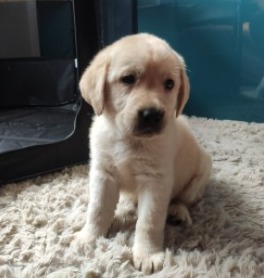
x=24, y=127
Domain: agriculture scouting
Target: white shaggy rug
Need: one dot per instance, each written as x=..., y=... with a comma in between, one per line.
x=38, y=218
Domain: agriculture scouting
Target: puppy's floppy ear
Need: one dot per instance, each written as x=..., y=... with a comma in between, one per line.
x=93, y=82
x=184, y=91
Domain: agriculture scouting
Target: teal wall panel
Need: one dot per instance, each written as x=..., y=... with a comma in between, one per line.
x=222, y=42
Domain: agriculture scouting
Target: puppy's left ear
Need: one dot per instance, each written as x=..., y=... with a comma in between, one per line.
x=184, y=91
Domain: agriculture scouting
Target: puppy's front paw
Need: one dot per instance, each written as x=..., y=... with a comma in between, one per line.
x=148, y=263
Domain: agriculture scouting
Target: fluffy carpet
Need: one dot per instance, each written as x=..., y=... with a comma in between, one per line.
x=38, y=218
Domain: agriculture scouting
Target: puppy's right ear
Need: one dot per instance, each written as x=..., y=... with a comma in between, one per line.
x=184, y=92
x=93, y=81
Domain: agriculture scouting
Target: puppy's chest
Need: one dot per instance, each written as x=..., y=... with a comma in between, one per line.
x=135, y=165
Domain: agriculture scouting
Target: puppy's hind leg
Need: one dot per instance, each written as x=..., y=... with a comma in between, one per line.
x=103, y=197
x=193, y=192
x=125, y=213
x=178, y=211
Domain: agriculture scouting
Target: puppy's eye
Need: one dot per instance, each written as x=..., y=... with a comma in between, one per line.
x=168, y=84
x=129, y=79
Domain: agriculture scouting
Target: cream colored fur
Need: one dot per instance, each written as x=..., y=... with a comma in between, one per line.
x=154, y=169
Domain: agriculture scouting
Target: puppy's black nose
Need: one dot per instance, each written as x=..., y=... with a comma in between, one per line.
x=151, y=115
x=149, y=121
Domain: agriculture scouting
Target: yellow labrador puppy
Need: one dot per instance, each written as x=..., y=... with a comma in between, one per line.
x=139, y=143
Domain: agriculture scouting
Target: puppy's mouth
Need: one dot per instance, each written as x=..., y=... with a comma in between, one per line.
x=149, y=122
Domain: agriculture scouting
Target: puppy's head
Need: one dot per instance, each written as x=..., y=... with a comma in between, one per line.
x=139, y=83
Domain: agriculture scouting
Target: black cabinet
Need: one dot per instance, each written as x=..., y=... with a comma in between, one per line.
x=45, y=45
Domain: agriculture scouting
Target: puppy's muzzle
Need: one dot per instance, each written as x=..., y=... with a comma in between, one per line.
x=149, y=121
